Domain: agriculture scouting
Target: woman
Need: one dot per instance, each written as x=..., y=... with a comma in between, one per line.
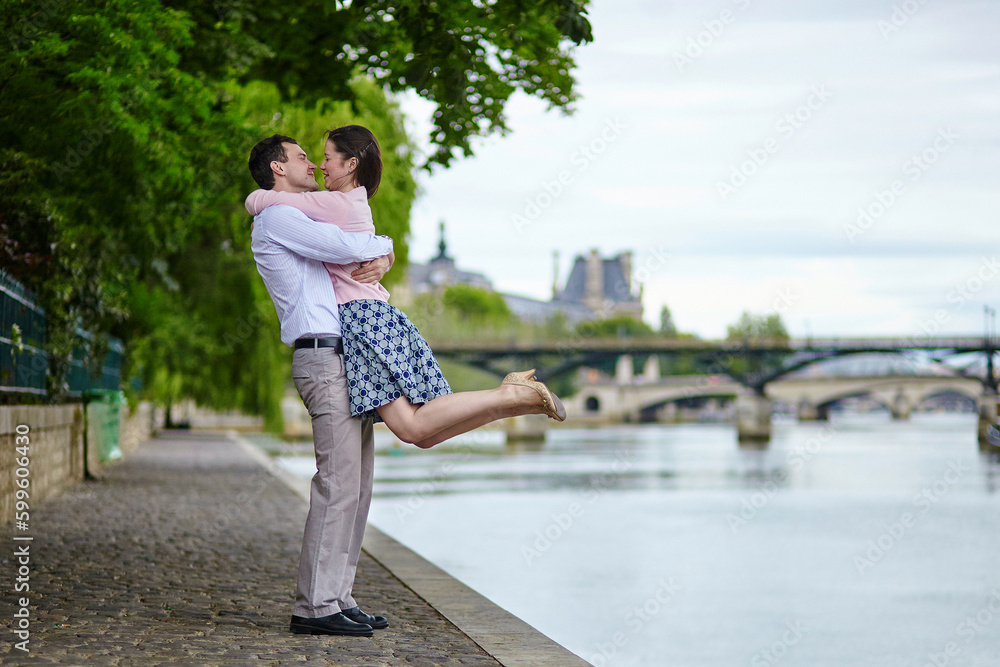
x=391, y=372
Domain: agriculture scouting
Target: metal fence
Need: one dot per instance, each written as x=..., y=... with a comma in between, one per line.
x=24, y=362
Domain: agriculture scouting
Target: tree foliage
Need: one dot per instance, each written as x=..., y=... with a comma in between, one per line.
x=222, y=344
x=477, y=305
x=108, y=149
x=125, y=130
x=750, y=366
x=262, y=106
x=757, y=328
x=466, y=57
x=622, y=326
x=667, y=326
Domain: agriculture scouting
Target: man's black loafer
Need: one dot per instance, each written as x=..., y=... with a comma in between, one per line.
x=355, y=614
x=334, y=624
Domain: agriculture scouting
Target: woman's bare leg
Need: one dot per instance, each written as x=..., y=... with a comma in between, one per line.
x=471, y=424
x=457, y=413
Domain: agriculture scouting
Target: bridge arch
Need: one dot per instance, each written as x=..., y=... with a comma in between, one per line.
x=917, y=388
x=900, y=395
x=612, y=401
x=811, y=397
x=649, y=411
x=825, y=406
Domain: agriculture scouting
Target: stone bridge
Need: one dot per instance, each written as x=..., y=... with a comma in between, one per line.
x=775, y=378
x=812, y=398
x=636, y=398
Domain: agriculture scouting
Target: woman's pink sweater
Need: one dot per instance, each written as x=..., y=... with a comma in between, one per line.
x=349, y=211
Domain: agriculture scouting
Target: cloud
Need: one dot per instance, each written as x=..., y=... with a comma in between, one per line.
x=687, y=131
x=652, y=197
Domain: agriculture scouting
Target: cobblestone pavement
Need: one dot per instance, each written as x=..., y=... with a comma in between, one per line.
x=185, y=553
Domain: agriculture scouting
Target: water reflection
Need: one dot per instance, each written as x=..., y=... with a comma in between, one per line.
x=990, y=463
x=857, y=453
x=849, y=454
x=753, y=540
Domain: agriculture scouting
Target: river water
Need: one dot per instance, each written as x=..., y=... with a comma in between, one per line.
x=860, y=541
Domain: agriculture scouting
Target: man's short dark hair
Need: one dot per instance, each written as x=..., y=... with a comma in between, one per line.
x=263, y=154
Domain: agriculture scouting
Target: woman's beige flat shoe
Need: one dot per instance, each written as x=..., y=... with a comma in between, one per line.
x=553, y=407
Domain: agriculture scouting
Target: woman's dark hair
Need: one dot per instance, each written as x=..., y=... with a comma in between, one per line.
x=358, y=142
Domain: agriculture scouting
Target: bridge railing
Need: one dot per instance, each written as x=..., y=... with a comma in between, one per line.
x=653, y=344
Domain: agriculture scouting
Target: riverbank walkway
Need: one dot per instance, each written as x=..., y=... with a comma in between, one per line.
x=186, y=553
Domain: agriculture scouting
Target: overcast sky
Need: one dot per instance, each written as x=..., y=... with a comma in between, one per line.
x=733, y=147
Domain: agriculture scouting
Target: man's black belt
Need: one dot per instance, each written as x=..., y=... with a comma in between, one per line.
x=320, y=342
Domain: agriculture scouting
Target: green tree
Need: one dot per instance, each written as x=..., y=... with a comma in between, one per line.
x=751, y=366
x=476, y=305
x=667, y=326
x=758, y=328
x=262, y=106
x=227, y=352
x=622, y=326
x=126, y=126
x=467, y=58
x=463, y=312
x=108, y=152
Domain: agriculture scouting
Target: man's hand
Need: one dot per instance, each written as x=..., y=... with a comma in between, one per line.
x=372, y=272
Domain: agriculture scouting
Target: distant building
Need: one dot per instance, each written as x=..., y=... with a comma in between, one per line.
x=437, y=274
x=538, y=311
x=596, y=288
x=602, y=286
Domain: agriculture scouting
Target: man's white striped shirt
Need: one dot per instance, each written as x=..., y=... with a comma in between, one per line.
x=290, y=249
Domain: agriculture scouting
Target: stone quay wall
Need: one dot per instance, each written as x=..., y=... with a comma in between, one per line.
x=54, y=435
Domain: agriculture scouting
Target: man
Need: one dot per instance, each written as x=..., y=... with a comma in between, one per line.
x=290, y=249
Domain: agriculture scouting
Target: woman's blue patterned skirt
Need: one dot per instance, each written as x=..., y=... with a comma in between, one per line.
x=385, y=358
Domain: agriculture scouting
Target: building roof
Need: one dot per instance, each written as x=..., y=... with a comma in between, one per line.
x=443, y=272
x=616, y=286
x=535, y=310
x=572, y=301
